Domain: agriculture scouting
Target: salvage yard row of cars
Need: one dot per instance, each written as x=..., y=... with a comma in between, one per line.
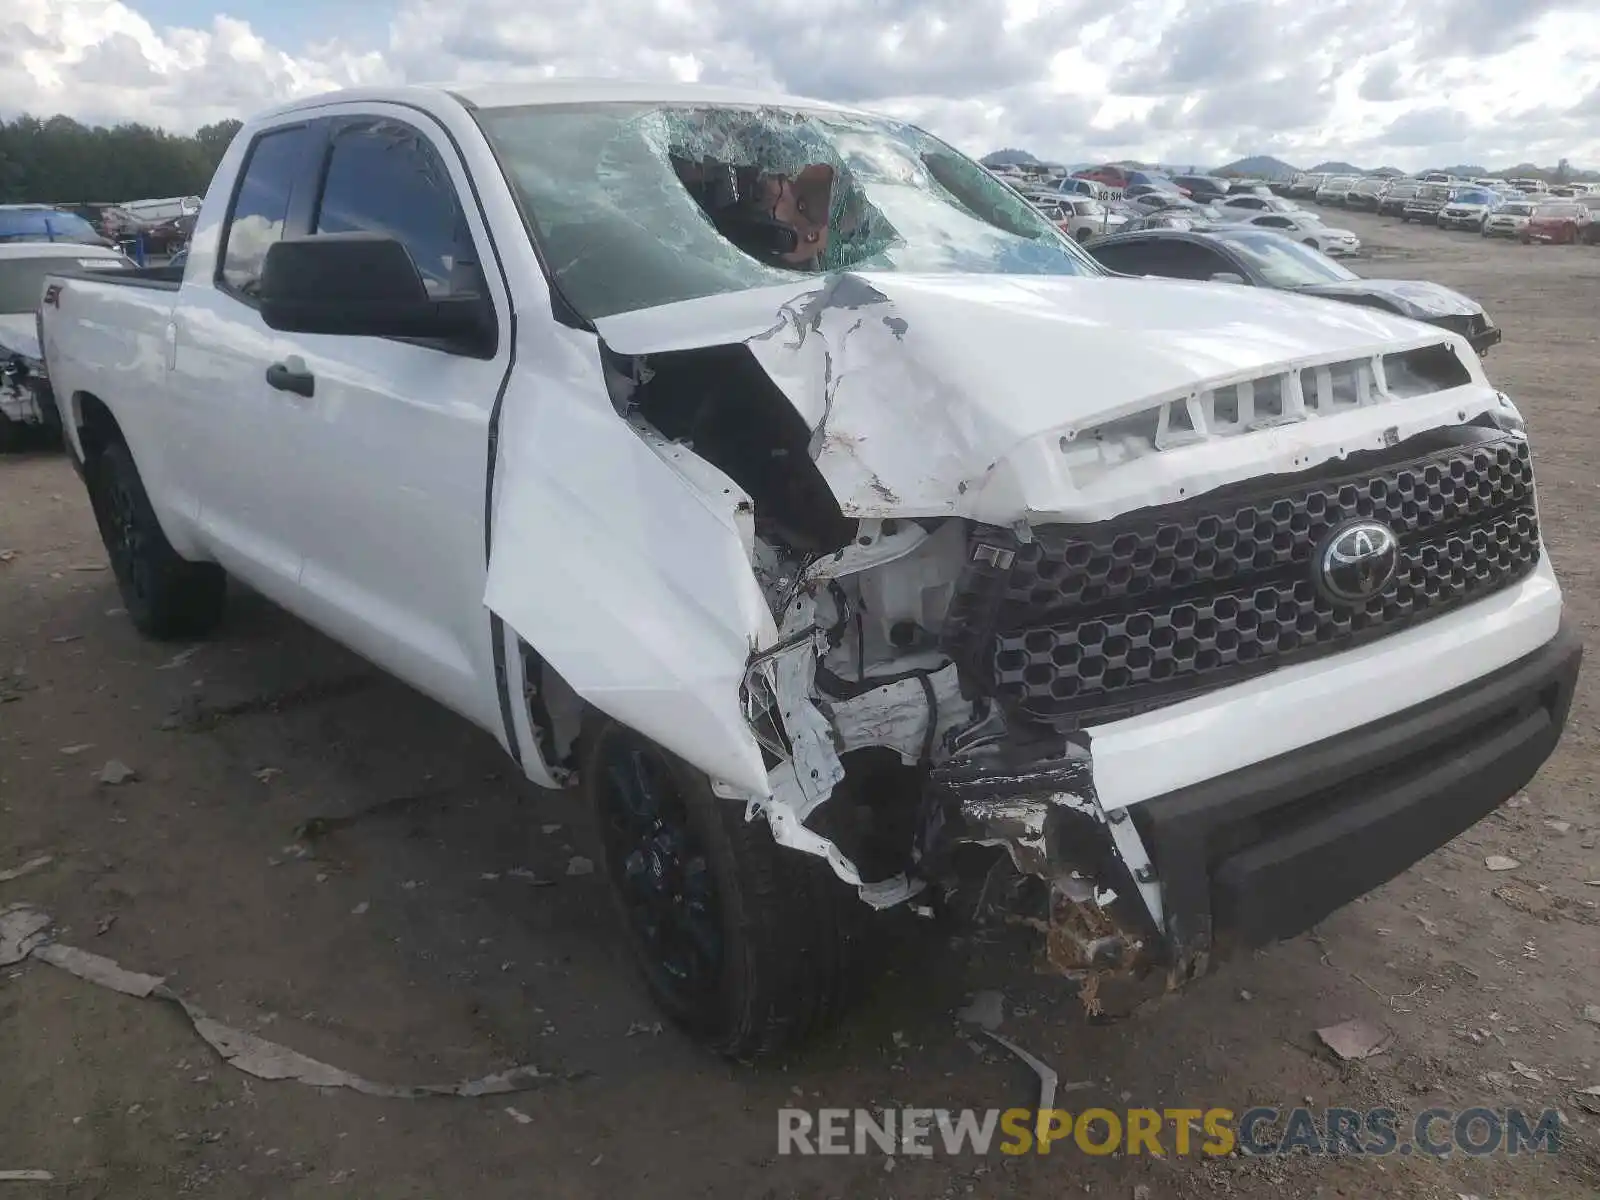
x=1527, y=209
x=1204, y=228
x=1245, y=619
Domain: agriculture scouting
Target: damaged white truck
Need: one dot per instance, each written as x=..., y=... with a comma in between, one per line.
x=778, y=477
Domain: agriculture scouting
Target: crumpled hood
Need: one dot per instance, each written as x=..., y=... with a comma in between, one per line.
x=1420, y=299
x=19, y=335
x=915, y=386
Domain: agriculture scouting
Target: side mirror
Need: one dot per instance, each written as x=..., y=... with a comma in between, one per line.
x=361, y=285
x=1228, y=277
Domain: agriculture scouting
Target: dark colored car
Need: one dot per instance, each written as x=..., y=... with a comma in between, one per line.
x=1427, y=202
x=1261, y=258
x=41, y=223
x=1204, y=188
x=1393, y=200
x=1365, y=195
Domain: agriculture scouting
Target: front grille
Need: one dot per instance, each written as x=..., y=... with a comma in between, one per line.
x=1094, y=622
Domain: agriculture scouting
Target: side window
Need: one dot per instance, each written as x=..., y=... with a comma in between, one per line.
x=1275, y=222
x=261, y=204
x=385, y=177
x=1130, y=258
x=1190, y=261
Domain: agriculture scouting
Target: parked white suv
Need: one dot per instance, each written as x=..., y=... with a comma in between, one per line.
x=25, y=403
x=775, y=475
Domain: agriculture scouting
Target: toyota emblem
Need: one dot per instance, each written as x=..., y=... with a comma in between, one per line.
x=1356, y=562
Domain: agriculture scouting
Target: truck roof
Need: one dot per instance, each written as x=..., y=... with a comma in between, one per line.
x=556, y=91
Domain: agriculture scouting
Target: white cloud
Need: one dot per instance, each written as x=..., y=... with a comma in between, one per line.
x=1412, y=82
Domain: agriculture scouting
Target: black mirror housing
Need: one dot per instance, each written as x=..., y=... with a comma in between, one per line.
x=361, y=285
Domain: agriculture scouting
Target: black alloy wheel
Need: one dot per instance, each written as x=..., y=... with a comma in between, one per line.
x=662, y=872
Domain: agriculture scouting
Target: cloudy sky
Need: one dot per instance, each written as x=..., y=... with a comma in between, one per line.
x=1411, y=83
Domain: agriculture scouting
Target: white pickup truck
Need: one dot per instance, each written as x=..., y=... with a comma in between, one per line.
x=775, y=475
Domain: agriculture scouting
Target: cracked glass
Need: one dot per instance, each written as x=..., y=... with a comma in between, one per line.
x=635, y=205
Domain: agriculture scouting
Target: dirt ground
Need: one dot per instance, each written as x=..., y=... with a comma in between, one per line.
x=403, y=947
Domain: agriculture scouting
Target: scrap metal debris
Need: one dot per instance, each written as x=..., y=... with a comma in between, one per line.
x=520, y=1117
x=26, y=1177
x=1588, y=1099
x=179, y=659
x=117, y=772
x=1048, y=1079
x=578, y=865
x=315, y=828
x=987, y=1011
x=77, y=749
x=27, y=868
x=1355, y=1040
x=1591, y=1013
x=1499, y=862
x=24, y=934
x=21, y=929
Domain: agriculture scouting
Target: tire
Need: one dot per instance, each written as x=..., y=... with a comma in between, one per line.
x=1312, y=242
x=1404, y=220
x=10, y=434
x=749, y=947
x=167, y=597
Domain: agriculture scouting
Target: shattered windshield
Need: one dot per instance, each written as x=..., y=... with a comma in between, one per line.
x=638, y=205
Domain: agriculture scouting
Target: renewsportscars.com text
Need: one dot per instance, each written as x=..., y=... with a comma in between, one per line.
x=1179, y=1132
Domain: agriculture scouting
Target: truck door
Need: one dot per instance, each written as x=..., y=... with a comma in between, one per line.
x=391, y=450
x=230, y=428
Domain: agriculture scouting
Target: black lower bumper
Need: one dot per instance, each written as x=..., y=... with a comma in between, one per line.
x=1266, y=852
x=1488, y=337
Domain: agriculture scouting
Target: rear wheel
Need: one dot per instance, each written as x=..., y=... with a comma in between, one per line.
x=166, y=596
x=748, y=946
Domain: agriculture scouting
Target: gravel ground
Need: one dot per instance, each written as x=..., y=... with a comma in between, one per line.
x=403, y=947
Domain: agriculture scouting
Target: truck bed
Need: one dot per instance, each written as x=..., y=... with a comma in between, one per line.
x=164, y=279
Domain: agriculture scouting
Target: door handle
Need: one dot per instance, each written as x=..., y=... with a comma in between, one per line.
x=292, y=376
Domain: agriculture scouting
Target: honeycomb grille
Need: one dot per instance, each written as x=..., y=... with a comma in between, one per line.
x=1095, y=622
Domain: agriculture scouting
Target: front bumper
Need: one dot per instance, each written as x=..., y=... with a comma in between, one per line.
x=1266, y=852
x=1483, y=339
x=1251, y=856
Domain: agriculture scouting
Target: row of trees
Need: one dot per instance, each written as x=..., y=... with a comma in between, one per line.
x=59, y=161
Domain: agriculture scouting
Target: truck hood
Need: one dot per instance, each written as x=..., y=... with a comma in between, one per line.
x=943, y=395
x=19, y=335
x=1417, y=298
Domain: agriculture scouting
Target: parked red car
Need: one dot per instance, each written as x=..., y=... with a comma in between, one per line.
x=1562, y=223
x=1123, y=178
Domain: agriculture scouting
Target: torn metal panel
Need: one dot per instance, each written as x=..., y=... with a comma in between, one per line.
x=909, y=716
x=999, y=376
